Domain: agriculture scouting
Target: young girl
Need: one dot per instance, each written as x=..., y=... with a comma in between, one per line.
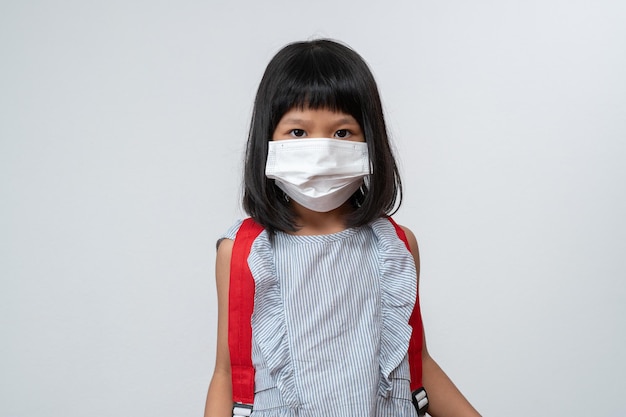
x=334, y=284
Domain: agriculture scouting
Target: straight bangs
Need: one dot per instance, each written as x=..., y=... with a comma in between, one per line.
x=319, y=81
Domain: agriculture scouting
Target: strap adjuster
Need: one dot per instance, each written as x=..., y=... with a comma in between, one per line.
x=420, y=401
x=242, y=410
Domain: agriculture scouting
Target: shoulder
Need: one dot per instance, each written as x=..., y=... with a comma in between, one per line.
x=230, y=234
x=410, y=236
x=225, y=247
x=240, y=236
x=225, y=250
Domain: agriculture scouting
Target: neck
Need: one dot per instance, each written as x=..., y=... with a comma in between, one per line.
x=311, y=222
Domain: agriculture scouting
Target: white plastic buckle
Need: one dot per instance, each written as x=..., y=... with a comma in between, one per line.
x=420, y=401
x=242, y=410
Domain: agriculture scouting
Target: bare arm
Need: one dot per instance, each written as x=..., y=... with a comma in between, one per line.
x=445, y=399
x=219, y=398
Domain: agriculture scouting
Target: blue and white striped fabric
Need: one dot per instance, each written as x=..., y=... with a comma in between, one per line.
x=330, y=323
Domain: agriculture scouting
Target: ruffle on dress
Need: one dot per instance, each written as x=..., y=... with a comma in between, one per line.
x=268, y=320
x=398, y=287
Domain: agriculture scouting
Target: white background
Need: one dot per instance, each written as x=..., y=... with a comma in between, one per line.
x=122, y=126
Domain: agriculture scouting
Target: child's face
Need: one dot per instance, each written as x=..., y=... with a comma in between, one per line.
x=318, y=123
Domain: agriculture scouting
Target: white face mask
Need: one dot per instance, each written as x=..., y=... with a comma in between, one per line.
x=319, y=174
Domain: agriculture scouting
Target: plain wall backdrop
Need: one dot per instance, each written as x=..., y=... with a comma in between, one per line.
x=122, y=127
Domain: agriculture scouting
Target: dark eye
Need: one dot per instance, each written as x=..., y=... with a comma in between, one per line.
x=342, y=133
x=298, y=133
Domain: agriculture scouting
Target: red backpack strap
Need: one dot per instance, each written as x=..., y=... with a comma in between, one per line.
x=240, y=307
x=416, y=343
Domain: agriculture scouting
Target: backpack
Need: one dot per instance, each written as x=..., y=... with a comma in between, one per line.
x=241, y=305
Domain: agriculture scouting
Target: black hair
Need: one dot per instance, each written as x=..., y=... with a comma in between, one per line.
x=319, y=74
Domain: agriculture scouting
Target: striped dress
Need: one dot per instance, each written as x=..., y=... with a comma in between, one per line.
x=330, y=324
